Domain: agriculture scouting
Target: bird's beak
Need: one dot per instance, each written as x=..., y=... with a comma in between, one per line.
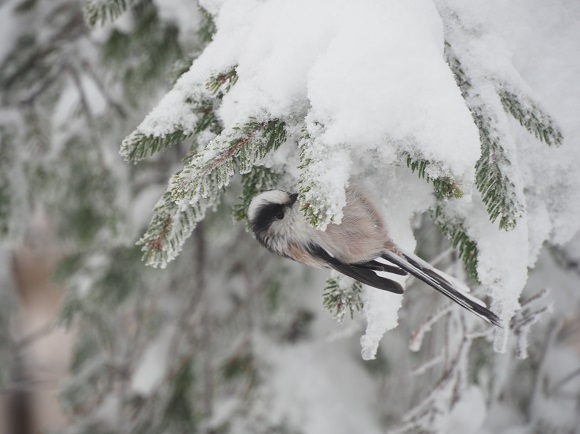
x=293, y=198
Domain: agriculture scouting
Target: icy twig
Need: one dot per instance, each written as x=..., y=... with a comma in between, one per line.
x=417, y=338
x=522, y=323
x=424, y=367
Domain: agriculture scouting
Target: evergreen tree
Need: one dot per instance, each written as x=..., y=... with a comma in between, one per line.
x=228, y=338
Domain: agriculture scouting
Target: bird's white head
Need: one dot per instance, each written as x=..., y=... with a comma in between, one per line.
x=272, y=215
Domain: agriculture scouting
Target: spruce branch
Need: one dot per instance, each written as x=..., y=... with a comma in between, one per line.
x=321, y=198
x=533, y=309
x=207, y=172
x=454, y=229
x=181, y=66
x=342, y=293
x=170, y=226
x=103, y=11
x=497, y=190
x=306, y=160
x=198, y=186
x=142, y=56
x=207, y=27
x=444, y=187
x=220, y=84
x=138, y=145
x=259, y=179
x=531, y=117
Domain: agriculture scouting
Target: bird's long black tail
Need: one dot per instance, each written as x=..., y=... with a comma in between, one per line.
x=443, y=283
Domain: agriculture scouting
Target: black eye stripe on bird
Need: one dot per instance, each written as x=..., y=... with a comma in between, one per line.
x=358, y=247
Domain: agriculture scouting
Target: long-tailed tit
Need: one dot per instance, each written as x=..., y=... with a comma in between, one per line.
x=359, y=246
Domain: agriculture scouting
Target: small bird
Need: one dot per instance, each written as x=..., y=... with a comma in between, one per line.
x=358, y=247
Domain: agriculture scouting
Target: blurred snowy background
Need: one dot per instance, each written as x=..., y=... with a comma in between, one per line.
x=461, y=116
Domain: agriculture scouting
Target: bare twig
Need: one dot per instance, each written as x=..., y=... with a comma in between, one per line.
x=538, y=379
x=419, y=334
x=424, y=367
x=522, y=323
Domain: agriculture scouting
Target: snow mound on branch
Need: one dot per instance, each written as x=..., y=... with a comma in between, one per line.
x=389, y=85
x=387, y=88
x=380, y=309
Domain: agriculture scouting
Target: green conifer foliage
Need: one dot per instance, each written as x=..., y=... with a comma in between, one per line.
x=99, y=12
x=341, y=294
x=198, y=186
x=531, y=117
x=320, y=202
x=494, y=184
x=207, y=172
x=454, y=229
x=493, y=174
x=444, y=187
x=496, y=188
x=211, y=320
x=170, y=227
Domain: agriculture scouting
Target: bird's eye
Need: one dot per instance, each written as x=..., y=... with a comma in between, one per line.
x=280, y=215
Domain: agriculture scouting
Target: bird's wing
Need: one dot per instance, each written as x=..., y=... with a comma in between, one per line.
x=370, y=273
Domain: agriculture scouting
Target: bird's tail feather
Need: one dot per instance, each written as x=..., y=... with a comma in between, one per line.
x=443, y=283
